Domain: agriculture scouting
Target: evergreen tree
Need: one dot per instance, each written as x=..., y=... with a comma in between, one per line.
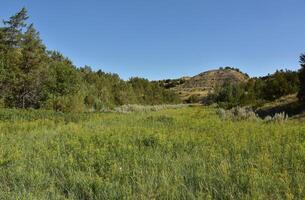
x=33, y=71
x=301, y=93
x=14, y=29
x=24, y=54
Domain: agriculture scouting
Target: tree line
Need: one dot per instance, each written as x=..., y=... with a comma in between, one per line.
x=259, y=90
x=31, y=76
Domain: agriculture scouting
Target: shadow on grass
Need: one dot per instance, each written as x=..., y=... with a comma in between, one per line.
x=291, y=109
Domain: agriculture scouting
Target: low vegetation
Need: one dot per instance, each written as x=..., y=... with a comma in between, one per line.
x=141, y=108
x=186, y=153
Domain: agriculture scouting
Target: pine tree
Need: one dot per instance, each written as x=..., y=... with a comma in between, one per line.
x=10, y=53
x=33, y=70
x=15, y=26
x=301, y=93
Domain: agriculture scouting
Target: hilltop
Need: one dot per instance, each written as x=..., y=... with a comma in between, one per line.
x=199, y=86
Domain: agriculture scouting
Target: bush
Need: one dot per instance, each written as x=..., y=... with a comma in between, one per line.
x=278, y=117
x=221, y=113
x=194, y=99
x=237, y=113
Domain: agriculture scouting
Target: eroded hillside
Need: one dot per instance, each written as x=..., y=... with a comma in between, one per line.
x=199, y=86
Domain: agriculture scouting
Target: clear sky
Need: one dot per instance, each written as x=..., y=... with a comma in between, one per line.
x=159, y=39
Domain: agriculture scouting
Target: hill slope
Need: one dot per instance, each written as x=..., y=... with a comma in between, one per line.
x=289, y=105
x=199, y=86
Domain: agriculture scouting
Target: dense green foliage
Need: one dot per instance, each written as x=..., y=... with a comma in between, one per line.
x=301, y=93
x=189, y=153
x=33, y=77
x=258, y=90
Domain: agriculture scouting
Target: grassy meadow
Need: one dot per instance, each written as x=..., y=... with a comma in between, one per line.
x=185, y=153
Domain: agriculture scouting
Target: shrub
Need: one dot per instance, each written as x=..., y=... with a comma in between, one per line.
x=221, y=113
x=278, y=117
x=237, y=113
x=193, y=99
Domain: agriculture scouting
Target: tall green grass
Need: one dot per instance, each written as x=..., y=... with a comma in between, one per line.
x=187, y=153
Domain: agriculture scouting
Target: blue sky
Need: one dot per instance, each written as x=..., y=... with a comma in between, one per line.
x=159, y=39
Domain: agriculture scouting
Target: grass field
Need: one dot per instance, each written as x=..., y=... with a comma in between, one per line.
x=186, y=153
